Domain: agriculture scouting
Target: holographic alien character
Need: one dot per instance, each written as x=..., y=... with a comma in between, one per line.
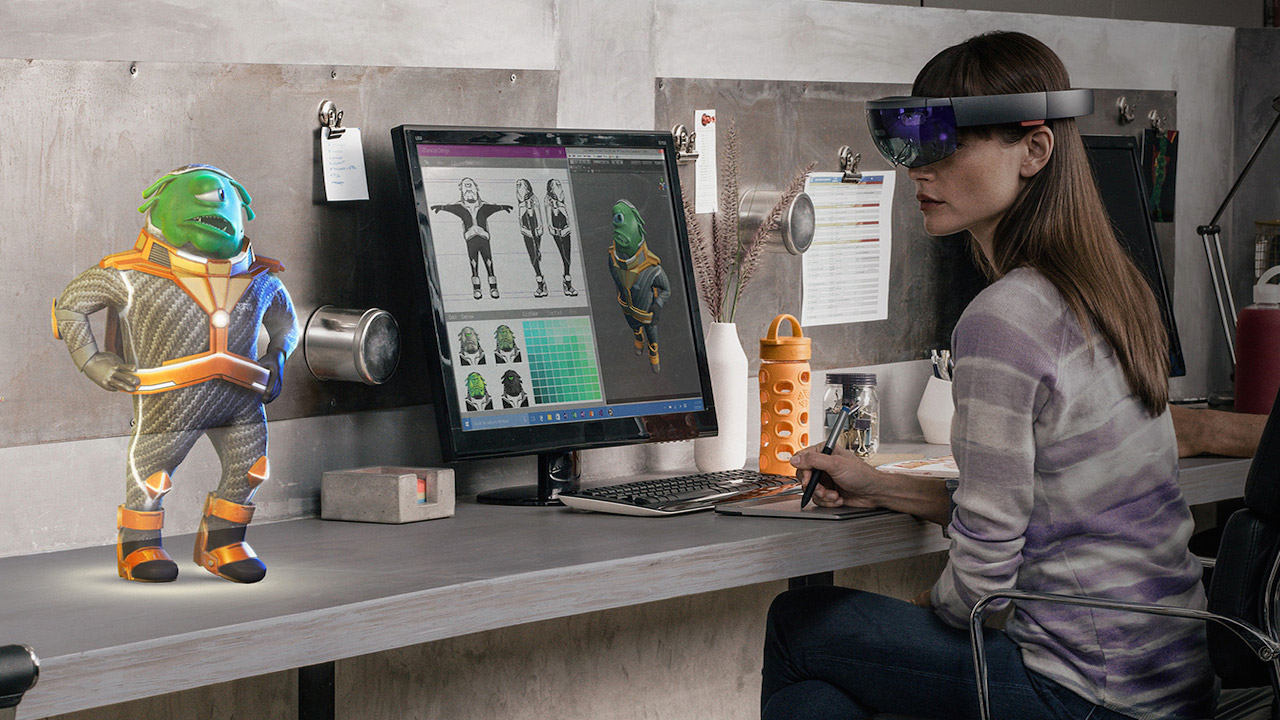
x=474, y=214
x=642, y=284
x=184, y=307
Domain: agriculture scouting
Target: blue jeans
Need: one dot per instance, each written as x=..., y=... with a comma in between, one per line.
x=832, y=652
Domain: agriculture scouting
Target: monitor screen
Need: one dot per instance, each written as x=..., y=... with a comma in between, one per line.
x=559, y=295
x=1120, y=181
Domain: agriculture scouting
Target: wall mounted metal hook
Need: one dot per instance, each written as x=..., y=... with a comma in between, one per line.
x=1124, y=110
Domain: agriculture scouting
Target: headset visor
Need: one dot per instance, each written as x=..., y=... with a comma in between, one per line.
x=913, y=136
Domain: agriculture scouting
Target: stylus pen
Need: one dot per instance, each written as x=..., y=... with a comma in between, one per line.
x=828, y=447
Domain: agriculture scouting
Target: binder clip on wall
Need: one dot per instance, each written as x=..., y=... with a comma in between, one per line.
x=686, y=150
x=331, y=118
x=849, y=164
x=341, y=157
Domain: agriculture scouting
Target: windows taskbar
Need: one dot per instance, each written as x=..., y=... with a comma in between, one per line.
x=580, y=414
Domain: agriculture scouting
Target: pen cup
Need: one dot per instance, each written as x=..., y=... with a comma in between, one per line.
x=936, y=409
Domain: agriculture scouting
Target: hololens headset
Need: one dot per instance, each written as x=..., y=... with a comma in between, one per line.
x=916, y=131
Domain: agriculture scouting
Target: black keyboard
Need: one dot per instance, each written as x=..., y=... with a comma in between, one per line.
x=678, y=495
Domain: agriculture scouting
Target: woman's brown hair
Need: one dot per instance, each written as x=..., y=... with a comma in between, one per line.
x=1058, y=224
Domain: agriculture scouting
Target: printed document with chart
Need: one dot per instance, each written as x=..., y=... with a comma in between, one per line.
x=846, y=270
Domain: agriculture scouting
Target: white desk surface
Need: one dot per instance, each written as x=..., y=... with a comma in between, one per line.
x=335, y=590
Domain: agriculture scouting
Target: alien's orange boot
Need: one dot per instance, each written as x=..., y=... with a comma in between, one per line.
x=139, y=556
x=220, y=545
x=142, y=560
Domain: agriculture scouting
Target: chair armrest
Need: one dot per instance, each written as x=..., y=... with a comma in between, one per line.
x=1207, y=562
x=1266, y=648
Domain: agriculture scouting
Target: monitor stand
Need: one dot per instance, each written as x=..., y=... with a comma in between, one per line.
x=558, y=472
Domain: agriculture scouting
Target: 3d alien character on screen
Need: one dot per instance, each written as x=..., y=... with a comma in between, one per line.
x=184, y=308
x=643, y=287
x=474, y=214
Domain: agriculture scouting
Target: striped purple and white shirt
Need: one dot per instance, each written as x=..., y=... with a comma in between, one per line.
x=1067, y=485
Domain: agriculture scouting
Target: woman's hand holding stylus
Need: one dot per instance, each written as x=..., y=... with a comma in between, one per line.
x=856, y=482
x=858, y=485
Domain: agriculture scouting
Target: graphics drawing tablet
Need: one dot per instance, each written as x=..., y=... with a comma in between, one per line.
x=788, y=506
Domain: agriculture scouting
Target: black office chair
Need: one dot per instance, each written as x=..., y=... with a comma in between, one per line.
x=19, y=670
x=1244, y=646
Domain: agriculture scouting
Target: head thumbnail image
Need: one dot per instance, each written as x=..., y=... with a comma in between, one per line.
x=513, y=392
x=505, y=348
x=469, y=350
x=477, y=393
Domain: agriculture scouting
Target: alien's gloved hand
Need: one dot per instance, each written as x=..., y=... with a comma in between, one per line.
x=273, y=361
x=109, y=371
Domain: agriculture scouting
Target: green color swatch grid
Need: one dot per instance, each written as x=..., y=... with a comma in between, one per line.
x=562, y=360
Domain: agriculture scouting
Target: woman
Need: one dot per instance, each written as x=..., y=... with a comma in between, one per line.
x=1067, y=455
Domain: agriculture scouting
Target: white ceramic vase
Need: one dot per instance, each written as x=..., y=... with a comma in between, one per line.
x=728, y=366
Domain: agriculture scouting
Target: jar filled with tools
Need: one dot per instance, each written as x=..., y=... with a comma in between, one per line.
x=862, y=435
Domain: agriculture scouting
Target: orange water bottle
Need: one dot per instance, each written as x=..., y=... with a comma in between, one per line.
x=784, y=396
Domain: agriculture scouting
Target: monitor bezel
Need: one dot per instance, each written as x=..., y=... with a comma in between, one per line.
x=456, y=444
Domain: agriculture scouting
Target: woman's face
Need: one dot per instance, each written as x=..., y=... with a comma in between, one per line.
x=972, y=188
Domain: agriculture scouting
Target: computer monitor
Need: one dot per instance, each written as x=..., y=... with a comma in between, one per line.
x=558, y=299
x=1120, y=181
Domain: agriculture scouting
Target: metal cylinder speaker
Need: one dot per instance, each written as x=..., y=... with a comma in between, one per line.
x=794, y=231
x=352, y=345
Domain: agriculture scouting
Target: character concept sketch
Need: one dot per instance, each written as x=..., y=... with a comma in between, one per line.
x=505, y=349
x=560, y=229
x=474, y=213
x=513, y=394
x=643, y=287
x=469, y=350
x=531, y=229
x=184, y=308
x=478, y=397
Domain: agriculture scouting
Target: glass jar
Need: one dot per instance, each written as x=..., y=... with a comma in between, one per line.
x=862, y=435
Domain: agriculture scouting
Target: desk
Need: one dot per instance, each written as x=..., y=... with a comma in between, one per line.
x=336, y=590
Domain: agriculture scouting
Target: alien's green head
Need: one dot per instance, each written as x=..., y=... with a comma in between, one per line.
x=628, y=229
x=504, y=338
x=200, y=206
x=468, y=339
x=476, y=387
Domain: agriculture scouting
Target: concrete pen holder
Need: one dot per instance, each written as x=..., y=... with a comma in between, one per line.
x=387, y=494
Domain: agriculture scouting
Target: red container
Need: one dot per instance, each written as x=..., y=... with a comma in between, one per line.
x=1258, y=348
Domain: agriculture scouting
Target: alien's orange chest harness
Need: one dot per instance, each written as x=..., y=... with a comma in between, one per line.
x=216, y=286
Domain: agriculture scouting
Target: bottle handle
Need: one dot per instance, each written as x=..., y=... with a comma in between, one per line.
x=777, y=323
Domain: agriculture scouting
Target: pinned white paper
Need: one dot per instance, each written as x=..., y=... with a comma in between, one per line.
x=846, y=270
x=706, y=189
x=343, y=158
